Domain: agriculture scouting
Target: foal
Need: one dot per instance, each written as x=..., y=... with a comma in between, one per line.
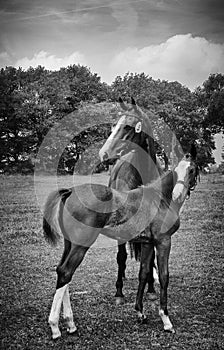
x=81, y=213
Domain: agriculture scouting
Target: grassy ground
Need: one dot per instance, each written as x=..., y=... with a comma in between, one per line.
x=28, y=278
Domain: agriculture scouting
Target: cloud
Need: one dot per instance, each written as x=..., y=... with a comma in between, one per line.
x=184, y=58
x=4, y=59
x=50, y=62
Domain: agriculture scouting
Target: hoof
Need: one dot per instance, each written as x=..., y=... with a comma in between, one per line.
x=73, y=333
x=119, y=300
x=56, y=336
x=143, y=319
x=72, y=329
x=55, y=331
x=152, y=296
x=169, y=330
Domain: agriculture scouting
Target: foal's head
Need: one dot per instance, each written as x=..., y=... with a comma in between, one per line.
x=186, y=172
x=133, y=128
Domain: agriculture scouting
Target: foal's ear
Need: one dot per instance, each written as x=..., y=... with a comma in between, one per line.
x=136, y=108
x=193, y=151
x=133, y=101
x=122, y=104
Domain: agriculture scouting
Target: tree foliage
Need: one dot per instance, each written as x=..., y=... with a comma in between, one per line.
x=77, y=108
x=211, y=99
x=32, y=102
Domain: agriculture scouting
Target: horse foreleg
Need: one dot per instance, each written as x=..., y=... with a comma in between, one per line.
x=121, y=260
x=163, y=252
x=65, y=272
x=146, y=258
x=67, y=312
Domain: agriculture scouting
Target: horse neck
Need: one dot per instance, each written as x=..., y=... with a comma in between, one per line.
x=134, y=169
x=144, y=159
x=147, y=166
x=124, y=174
x=165, y=185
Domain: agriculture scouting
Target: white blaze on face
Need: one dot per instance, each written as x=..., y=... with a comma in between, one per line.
x=113, y=136
x=180, y=189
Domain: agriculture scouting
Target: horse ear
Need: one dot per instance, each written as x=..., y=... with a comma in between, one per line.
x=122, y=104
x=133, y=101
x=134, y=105
x=193, y=151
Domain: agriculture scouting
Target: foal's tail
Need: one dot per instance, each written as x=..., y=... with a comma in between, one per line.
x=51, y=219
x=135, y=250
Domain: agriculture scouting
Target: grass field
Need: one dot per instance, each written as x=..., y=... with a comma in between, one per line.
x=28, y=278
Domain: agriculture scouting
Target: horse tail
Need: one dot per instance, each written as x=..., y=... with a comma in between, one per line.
x=135, y=250
x=51, y=219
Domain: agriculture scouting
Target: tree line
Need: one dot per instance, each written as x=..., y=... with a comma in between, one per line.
x=74, y=103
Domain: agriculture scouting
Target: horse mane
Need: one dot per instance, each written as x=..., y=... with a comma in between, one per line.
x=159, y=166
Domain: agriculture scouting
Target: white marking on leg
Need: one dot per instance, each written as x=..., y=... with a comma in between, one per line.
x=142, y=318
x=139, y=313
x=55, y=312
x=67, y=312
x=166, y=322
x=155, y=269
x=155, y=275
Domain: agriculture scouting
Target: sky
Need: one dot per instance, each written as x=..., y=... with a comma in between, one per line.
x=179, y=40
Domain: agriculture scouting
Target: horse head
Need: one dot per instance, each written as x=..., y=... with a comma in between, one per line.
x=186, y=174
x=133, y=128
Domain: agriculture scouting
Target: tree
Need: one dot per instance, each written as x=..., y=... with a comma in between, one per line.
x=14, y=137
x=76, y=138
x=211, y=98
x=221, y=165
x=83, y=86
x=33, y=101
x=142, y=87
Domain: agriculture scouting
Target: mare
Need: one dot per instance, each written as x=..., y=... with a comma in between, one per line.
x=131, y=143
x=79, y=214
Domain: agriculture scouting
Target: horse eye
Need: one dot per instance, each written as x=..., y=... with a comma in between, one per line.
x=191, y=171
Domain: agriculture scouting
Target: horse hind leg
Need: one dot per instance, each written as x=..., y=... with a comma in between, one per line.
x=163, y=251
x=155, y=269
x=67, y=310
x=155, y=275
x=151, y=289
x=55, y=312
x=146, y=258
x=65, y=272
x=121, y=261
